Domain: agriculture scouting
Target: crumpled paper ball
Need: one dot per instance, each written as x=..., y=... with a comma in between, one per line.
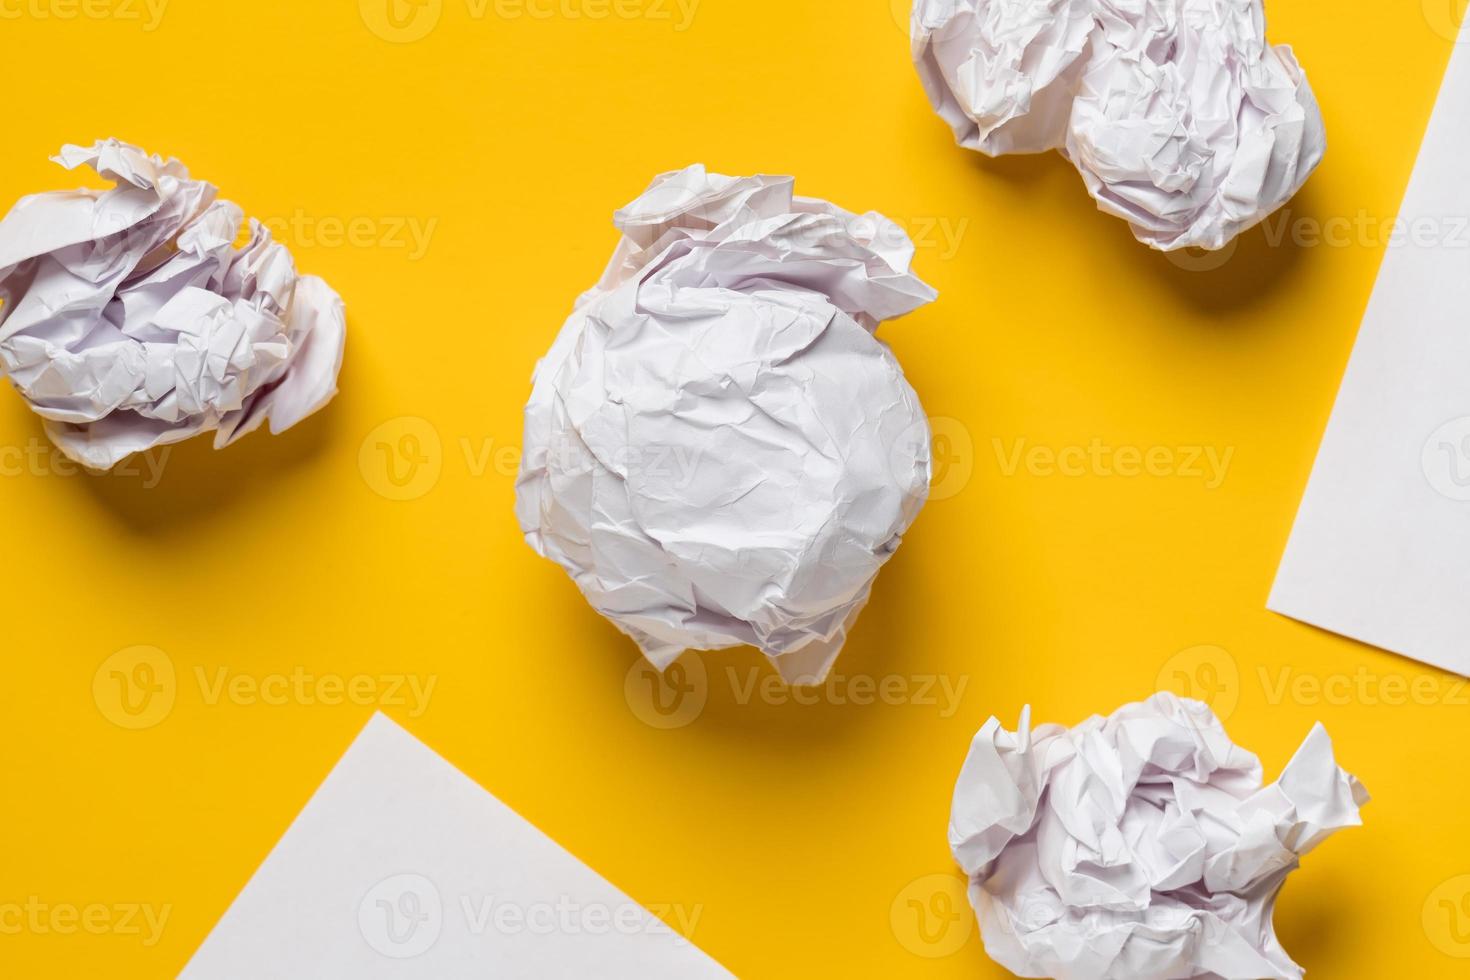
x=1180, y=117
x=719, y=450
x=129, y=320
x=1141, y=846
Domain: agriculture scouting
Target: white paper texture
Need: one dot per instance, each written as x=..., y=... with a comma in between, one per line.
x=719, y=448
x=1179, y=115
x=1140, y=846
x=1381, y=547
x=129, y=320
x=402, y=867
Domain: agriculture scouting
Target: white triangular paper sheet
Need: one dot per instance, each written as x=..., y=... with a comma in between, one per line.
x=1381, y=548
x=402, y=867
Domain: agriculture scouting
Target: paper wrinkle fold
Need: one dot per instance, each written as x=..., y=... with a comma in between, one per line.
x=1141, y=845
x=129, y=319
x=1180, y=117
x=718, y=448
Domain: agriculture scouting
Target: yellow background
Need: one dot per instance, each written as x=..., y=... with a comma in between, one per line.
x=800, y=832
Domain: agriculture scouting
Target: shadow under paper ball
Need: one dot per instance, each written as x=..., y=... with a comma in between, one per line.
x=170, y=490
x=739, y=701
x=1259, y=262
x=1313, y=919
x=1021, y=171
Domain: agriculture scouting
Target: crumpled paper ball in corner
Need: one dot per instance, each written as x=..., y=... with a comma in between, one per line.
x=719, y=450
x=1181, y=118
x=1141, y=846
x=129, y=319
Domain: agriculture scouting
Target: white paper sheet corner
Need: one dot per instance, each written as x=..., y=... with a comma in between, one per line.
x=401, y=866
x=1380, y=551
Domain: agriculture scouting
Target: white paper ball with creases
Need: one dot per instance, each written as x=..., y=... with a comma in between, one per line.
x=1144, y=844
x=129, y=320
x=719, y=450
x=1179, y=115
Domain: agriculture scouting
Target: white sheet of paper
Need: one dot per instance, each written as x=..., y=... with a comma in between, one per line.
x=1381, y=547
x=403, y=867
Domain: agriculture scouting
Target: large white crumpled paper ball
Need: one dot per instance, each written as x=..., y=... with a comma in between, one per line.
x=1180, y=117
x=718, y=448
x=130, y=320
x=1140, y=846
